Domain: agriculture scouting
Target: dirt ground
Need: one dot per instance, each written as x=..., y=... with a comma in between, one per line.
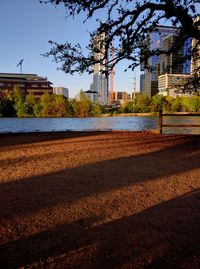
x=100, y=200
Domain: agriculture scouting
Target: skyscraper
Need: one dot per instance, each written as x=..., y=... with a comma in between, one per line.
x=100, y=79
x=170, y=63
x=179, y=70
x=142, y=79
x=195, y=67
x=195, y=59
x=155, y=40
x=187, y=47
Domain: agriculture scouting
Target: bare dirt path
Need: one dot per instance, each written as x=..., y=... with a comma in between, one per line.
x=100, y=200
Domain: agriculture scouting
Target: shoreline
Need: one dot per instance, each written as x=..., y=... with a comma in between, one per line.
x=153, y=114
x=149, y=114
x=89, y=132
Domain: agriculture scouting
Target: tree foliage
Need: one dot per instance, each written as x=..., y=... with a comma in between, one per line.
x=49, y=105
x=16, y=104
x=126, y=25
x=168, y=104
x=19, y=102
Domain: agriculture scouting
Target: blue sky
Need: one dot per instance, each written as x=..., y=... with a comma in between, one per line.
x=26, y=26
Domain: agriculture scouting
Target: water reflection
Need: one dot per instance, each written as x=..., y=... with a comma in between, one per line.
x=182, y=120
x=135, y=123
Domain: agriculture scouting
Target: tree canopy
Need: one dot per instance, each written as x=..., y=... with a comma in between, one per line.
x=126, y=26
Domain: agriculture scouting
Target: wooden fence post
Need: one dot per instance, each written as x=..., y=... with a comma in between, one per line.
x=160, y=121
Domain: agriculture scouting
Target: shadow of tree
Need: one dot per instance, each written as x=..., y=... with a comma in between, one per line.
x=12, y=139
x=62, y=141
x=125, y=141
x=68, y=185
x=27, y=139
x=164, y=236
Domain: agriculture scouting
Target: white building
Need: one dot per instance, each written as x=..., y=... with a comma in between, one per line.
x=100, y=81
x=168, y=84
x=160, y=38
x=61, y=91
x=92, y=96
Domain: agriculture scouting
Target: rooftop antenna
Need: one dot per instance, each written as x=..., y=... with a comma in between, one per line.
x=20, y=65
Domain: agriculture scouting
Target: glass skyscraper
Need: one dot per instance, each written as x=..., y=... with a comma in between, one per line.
x=187, y=47
x=100, y=80
x=154, y=41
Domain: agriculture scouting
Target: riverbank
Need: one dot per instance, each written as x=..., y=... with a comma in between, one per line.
x=100, y=200
x=150, y=114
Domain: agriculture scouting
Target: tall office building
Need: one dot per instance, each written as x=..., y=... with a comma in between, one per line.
x=187, y=49
x=142, y=80
x=169, y=83
x=156, y=39
x=92, y=96
x=179, y=68
x=100, y=79
x=170, y=63
x=195, y=61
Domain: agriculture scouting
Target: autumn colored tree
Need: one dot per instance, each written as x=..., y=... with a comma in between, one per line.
x=59, y=106
x=19, y=100
x=29, y=104
x=46, y=103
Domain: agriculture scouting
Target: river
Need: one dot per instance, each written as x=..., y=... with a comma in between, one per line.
x=132, y=123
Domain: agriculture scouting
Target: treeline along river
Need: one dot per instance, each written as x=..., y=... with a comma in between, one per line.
x=132, y=123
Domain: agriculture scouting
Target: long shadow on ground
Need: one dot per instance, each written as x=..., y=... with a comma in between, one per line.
x=12, y=139
x=42, y=192
x=164, y=236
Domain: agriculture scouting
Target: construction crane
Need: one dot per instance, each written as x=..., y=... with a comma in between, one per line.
x=20, y=65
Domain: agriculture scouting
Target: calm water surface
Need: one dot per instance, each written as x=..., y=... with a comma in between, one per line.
x=135, y=123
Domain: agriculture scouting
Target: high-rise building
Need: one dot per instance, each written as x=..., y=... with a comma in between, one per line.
x=179, y=69
x=92, y=96
x=170, y=63
x=111, y=76
x=195, y=61
x=168, y=84
x=142, y=79
x=194, y=81
x=100, y=79
x=187, y=49
x=154, y=41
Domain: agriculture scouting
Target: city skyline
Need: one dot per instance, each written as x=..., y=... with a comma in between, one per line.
x=26, y=30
